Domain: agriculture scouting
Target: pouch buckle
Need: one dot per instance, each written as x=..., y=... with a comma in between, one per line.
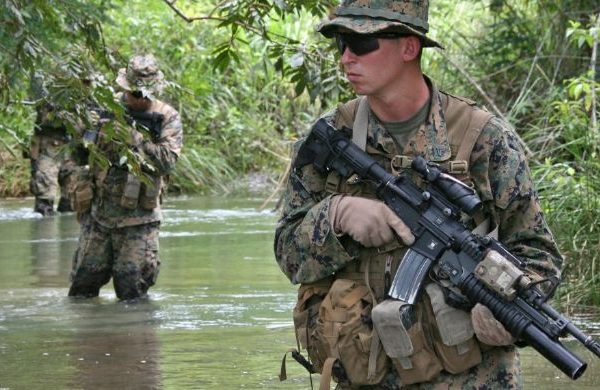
x=400, y=163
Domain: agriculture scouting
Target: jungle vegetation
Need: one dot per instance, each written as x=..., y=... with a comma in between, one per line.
x=249, y=76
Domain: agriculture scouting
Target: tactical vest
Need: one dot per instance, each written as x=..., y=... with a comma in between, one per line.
x=133, y=192
x=130, y=192
x=437, y=337
x=464, y=123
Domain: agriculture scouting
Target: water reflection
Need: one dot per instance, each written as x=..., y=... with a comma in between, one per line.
x=52, y=244
x=114, y=341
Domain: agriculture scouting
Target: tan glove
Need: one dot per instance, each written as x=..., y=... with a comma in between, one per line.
x=135, y=139
x=93, y=117
x=488, y=329
x=367, y=221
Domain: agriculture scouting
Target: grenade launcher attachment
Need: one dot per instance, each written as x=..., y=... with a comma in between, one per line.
x=480, y=267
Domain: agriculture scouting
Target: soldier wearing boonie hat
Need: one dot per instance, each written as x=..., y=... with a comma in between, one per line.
x=368, y=17
x=142, y=74
x=343, y=246
x=122, y=211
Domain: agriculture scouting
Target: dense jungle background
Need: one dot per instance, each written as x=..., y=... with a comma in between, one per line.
x=248, y=76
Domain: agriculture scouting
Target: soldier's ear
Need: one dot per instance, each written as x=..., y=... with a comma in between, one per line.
x=411, y=48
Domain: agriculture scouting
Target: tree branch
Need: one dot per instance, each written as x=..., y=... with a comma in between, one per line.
x=191, y=19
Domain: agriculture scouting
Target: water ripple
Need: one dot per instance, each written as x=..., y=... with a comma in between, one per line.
x=18, y=214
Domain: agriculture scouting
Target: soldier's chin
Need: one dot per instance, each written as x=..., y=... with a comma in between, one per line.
x=359, y=89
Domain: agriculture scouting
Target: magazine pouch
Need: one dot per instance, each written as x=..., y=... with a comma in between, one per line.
x=400, y=328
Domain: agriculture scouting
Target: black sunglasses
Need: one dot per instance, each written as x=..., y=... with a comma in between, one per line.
x=361, y=44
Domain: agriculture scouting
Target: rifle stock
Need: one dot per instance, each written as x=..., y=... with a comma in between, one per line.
x=446, y=248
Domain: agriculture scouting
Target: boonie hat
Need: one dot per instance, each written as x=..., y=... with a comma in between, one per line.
x=142, y=74
x=372, y=16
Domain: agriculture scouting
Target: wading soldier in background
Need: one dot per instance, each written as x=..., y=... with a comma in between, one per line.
x=121, y=212
x=54, y=152
x=342, y=246
x=51, y=165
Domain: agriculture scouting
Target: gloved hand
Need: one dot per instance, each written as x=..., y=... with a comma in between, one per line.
x=488, y=329
x=370, y=222
x=135, y=139
x=93, y=117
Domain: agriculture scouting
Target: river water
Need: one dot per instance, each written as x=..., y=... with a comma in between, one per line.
x=218, y=318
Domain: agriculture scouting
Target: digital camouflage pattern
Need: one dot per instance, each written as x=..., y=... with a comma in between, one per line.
x=142, y=74
x=499, y=369
x=45, y=168
x=307, y=250
x=51, y=163
x=128, y=255
x=121, y=240
x=160, y=155
x=371, y=16
x=54, y=151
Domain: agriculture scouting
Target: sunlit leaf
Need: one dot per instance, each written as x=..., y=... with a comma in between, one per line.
x=297, y=60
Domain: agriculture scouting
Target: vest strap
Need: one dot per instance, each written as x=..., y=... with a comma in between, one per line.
x=400, y=163
x=477, y=119
x=458, y=167
x=283, y=370
x=326, y=373
x=361, y=123
x=346, y=112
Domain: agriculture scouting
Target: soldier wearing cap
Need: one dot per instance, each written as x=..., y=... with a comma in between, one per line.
x=121, y=211
x=342, y=246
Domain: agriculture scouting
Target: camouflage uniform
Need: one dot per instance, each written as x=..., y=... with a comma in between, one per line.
x=51, y=164
x=309, y=252
x=121, y=240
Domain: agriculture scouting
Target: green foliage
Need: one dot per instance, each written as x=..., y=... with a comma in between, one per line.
x=249, y=76
x=15, y=176
x=48, y=48
x=34, y=33
x=222, y=102
x=568, y=131
x=235, y=113
x=308, y=67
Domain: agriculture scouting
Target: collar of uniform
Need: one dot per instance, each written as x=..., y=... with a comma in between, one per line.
x=431, y=140
x=381, y=138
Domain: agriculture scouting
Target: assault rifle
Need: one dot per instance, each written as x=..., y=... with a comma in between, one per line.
x=445, y=249
x=149, y=121
x=90, y=136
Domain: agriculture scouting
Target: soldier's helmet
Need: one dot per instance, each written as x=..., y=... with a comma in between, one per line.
x=142, y=74
x=372, y=16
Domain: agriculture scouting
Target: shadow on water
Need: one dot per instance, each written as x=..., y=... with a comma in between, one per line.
x=218, y=318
